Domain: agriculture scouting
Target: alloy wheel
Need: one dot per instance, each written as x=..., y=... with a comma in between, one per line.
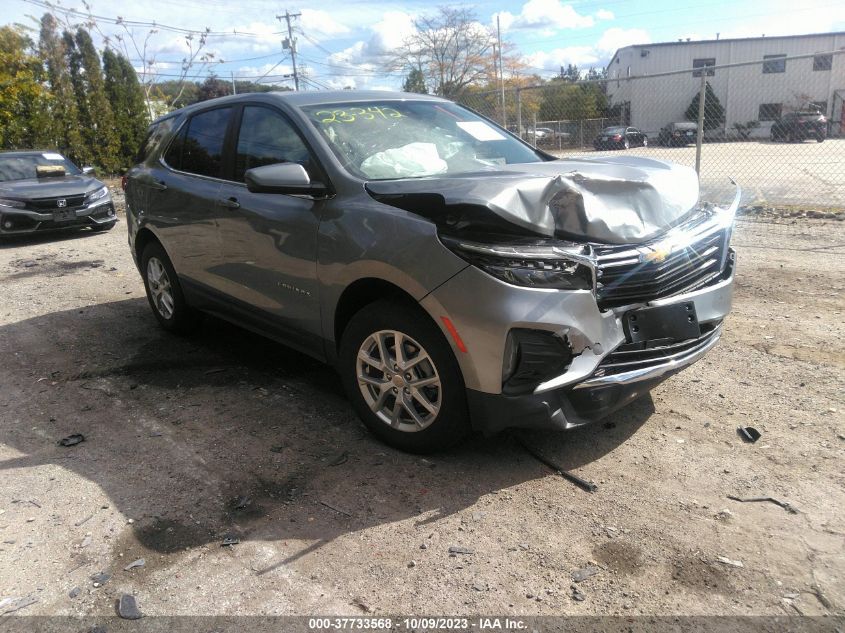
x=160, y=289
x=399, y=381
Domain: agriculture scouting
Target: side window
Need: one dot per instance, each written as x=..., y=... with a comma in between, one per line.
x=173, y=155
x=202, y=146
x=267, y=138
x=155, y=134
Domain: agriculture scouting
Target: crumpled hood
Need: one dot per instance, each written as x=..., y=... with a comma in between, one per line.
x=48, y=187
x=616, y=200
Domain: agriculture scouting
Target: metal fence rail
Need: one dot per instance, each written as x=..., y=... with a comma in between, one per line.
x=752, y=121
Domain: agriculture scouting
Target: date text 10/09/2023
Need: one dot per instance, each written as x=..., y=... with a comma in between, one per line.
x=417, y=624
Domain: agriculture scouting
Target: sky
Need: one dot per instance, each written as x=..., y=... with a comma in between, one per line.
x=341, y=43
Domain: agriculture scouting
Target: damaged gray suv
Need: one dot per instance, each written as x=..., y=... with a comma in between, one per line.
x=457, y=277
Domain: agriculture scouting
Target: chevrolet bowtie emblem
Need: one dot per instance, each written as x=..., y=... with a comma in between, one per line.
x=655, y=256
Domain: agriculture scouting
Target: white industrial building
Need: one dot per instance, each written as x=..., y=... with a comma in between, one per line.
x=760, y=92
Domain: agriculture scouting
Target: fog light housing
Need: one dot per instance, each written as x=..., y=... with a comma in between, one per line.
x=531, y=357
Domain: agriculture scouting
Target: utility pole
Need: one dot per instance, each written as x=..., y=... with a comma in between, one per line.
x=234, y=87
x=501, y=71
x=291, y=43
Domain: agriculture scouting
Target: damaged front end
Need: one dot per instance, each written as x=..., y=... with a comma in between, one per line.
x=589, y=283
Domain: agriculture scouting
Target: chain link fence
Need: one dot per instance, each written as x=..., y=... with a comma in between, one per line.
x=776, y=126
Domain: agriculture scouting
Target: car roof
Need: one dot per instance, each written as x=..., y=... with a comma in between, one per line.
x=311, y=98
x=30, y=152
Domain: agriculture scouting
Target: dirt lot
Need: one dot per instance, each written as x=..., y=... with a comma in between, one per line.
x=191, y=441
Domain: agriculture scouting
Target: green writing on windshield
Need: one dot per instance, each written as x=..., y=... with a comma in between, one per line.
x=350, y=115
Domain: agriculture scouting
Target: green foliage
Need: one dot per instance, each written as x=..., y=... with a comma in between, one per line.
x=415, y=82
x=213, y=87
x=124, y=92
x=714, y=111
x=63, y=120
x=565, y=101
x=23, y=97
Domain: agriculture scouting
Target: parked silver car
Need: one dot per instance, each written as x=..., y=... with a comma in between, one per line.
x=457, y=277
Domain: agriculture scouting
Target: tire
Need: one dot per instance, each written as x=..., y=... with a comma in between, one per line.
x=645, y=141
x=173, y=314
x=102, y=228
x=626, y=144
x=820, y=138
x=396, y=414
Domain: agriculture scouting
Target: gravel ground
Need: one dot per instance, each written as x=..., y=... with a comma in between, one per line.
x=226, y=435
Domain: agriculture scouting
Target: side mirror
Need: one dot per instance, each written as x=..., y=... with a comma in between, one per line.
x=290, y=178
x=88, y=170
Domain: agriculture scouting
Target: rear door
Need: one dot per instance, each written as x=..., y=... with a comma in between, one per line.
x=185, y=193
x=268, y=241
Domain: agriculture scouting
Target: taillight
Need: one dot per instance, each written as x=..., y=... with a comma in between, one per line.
x=616, y=137
x=123, y=180
x=802, y=120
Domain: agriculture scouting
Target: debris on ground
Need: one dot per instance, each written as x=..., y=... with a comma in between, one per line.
x=724, y=514
x=359, y=602
x=242, y=502
x=83, y=520
x=340, y=459
x=575, y=479
x=460, y=549
x=100, y=578
x=72, y=440
x=577, y=594
x=10, y=605
x=338, y=510
x=580, y=575
x=73, y=593
x=480, y=585
x=229, y=541
x=727, y=561
x=748, y=434
x=783, y=504
x=135, y=563
x=127, y=608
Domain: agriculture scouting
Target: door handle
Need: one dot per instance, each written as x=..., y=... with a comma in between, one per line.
x=158, y=185
x=229, y=203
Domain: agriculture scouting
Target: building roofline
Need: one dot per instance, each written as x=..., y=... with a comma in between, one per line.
x=726, y=39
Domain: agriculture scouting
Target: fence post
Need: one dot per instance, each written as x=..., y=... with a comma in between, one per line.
x=519, y=112
x=700, y=137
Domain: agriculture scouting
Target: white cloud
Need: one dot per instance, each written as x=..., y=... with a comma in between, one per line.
x=604, y=14
x=551, y=61
x=544, y=14
x=616, y=38
x=321, y=24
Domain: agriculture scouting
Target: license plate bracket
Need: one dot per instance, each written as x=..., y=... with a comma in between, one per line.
x=64, y=215
x=675, y=322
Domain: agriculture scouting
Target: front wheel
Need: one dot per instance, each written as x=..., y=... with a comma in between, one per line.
x=164, y=291
x=627, y=144
x=402, y=378
x=645, y=142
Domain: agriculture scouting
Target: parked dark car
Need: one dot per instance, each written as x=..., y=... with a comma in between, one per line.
x=457, y=277
x=620, y=138
x=44, y=191
x=678, y=134
x=800, y=126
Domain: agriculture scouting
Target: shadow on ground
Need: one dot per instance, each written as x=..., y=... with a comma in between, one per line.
x=228, y=434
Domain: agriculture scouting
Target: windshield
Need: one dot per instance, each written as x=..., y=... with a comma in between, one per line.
x=23, y=166
x=613, y=130
x=412, y=139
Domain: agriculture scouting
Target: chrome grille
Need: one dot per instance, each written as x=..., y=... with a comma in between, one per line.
x=626, y=276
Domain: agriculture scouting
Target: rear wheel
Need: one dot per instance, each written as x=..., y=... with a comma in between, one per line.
x=626, y=144
x=402, y=378
x=645, y=141
x=164, y=291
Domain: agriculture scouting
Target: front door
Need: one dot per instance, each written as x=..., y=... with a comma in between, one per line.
x=268, y=241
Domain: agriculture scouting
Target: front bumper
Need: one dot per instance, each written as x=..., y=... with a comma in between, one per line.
x=600, y=378
x=24, y=221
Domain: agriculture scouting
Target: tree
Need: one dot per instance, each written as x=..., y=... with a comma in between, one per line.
x=100, y=133
x=63, y=121
x=213, y=87
x=570, y=73
x=714, y=111
x=415, y=82
x=128, y=104
x=566, y=101
x=23, y=96
x=450, y=48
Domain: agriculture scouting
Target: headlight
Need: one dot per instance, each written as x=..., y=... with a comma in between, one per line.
x=538, y=264
x=15, y=204
x=97, y=195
